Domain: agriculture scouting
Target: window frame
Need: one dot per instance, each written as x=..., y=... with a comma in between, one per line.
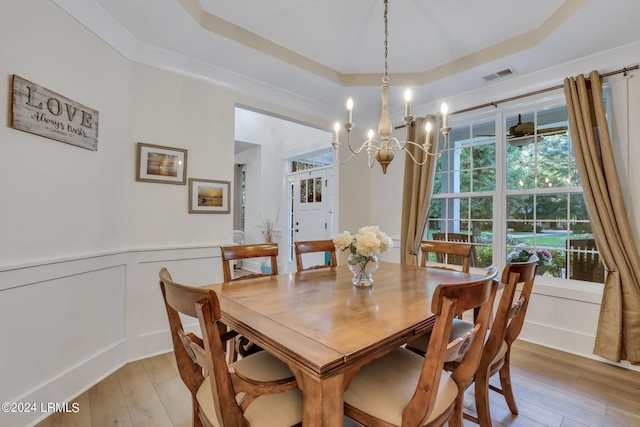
x=591, y=291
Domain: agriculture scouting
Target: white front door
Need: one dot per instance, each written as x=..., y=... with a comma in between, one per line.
x=311, y=209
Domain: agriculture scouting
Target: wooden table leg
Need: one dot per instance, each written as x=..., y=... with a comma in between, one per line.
x=322, y=400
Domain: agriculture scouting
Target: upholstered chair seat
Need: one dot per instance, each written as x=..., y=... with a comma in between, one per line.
x=260, y=366
x=395, y=373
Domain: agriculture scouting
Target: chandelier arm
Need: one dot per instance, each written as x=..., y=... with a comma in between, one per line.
x=342, y=162
x=420, y=146
x=437, y=153
x=394, y=143
x=370, y=160
x=350, y=148
x=368, y=143
x=414, y=159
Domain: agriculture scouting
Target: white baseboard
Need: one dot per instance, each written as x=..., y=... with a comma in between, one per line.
x=565, y=340
x=68, y=385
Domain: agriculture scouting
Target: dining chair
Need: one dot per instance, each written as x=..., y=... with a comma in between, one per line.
x=241, y=345
x=314, y=246
x=403, y=388
x=584, y=261
x=258, y=390
x=449, y=255
x=505, y=328
x=461, y=238
x=239, y=252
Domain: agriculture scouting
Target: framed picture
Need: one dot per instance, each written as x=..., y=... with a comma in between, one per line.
x=165, y=165
x=209, y=196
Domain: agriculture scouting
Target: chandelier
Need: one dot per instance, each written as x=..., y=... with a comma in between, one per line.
x=384, y=150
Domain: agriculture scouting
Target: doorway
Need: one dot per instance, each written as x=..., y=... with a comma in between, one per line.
x=275, y=151
x=310, y=206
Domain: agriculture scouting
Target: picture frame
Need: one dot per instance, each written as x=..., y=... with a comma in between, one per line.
x=160, y=164
x=209, y=196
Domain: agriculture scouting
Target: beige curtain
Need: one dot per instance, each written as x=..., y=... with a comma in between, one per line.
x=618, y=334
x=416, y=196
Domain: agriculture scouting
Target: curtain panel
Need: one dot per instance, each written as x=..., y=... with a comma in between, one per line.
x=618, y=333
x=418, y=187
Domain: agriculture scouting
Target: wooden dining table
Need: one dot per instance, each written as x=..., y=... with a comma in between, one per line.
x=325, y=329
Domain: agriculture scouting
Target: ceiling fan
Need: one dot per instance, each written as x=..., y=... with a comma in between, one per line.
x=518, y=132
x=523, y=133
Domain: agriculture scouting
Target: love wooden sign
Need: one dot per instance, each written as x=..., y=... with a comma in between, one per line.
x=43, y=112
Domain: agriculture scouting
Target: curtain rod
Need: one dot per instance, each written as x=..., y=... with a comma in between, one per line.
x=537, y=92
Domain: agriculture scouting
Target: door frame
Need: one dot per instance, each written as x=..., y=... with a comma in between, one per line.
x=328, y=197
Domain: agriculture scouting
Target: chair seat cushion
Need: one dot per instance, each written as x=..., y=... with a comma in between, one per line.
x=262, y=366
x=384, y=387
x=443, y=266
x=458, y=328
x=272, y=410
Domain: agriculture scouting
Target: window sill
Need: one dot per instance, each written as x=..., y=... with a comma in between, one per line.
x=576, y=290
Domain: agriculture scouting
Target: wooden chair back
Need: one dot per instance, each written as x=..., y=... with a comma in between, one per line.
x=236, y=252
x=509, y=317
x=448, y=299
x=313, y=246
x=506, y=326
x=197, y=357
x=460, y=238
x=584, y=261
x=453, y=253
x=222, y=393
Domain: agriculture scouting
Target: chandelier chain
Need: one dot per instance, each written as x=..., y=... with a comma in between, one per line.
x=385, y=78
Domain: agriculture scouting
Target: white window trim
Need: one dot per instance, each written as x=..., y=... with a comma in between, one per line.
x=577, y=290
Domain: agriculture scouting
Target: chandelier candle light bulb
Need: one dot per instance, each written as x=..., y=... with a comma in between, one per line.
x=407, y=102
x=444, y=109
x=427, y=130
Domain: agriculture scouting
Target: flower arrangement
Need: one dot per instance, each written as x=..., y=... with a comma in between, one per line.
x=369, y=241
x=520, y=254
x=363, y=249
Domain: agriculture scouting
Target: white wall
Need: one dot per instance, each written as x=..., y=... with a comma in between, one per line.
x=58, y=200
x=63, y=211
x=176, y=111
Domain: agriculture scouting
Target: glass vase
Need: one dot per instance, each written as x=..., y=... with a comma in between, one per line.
x=362, y=268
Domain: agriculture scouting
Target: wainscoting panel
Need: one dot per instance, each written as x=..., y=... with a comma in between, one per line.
x=63, y=330
x=69, y=323
x=147, y=324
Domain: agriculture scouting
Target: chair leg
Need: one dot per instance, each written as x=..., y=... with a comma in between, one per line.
x=482, y=398
x=197, y=421
x=456, y=417
x=233, y=352
x=505, y=382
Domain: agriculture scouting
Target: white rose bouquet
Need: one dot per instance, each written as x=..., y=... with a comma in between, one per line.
x=369, y=241
x=363, y=249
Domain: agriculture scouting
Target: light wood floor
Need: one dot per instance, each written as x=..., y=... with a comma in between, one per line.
x=552, y=389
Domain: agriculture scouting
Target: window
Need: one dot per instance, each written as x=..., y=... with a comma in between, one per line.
x=465, y=188
x=516, y=188
x=318, y=160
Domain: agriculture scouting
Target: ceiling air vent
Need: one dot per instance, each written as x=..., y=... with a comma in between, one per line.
x=499, y=74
